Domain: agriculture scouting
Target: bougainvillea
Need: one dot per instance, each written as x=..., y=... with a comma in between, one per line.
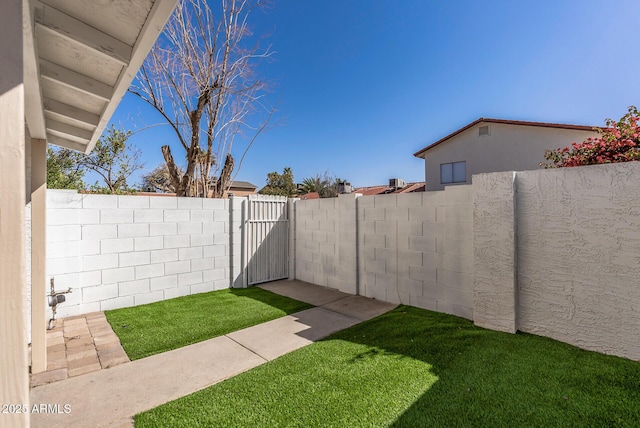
x=617, y=142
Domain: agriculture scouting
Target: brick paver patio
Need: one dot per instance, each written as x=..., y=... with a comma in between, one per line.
x=78, y=345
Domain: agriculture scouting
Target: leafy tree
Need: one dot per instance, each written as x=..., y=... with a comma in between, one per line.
x=618, y=142
x=280, y=184
x=326, y=185
x=201, y=77
x=308, y=185
x=63, y=169
x=113, y=159
x=158, y=180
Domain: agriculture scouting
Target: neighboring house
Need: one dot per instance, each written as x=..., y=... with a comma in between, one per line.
x=310, y=195
x=241, y=188
x=492, y=145
x=237, y=188
x=396, y=185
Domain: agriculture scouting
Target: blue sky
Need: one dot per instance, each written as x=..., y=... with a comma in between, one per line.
x=361, y=85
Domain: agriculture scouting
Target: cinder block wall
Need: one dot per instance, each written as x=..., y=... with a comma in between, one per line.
x=118, y=251
x=415, y=249
x=579, y=256
x=325, y=244
x=551, y=252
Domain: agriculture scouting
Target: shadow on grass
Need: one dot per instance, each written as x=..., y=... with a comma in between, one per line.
x=285, y=304
x=415, y=368
x=170, y=324
x=488, y=378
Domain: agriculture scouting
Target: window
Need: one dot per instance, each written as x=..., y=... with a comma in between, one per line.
x=455, y=172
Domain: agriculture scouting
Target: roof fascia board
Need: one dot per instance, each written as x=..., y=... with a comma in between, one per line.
x=63, y=142
x=158, y=16
x=32, y=91
x=453, y=134
x=420, y=153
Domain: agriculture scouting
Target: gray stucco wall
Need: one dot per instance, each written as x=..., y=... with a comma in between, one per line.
x=579, y=256
x=494, y=251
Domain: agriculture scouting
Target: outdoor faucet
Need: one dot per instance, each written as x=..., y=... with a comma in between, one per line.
x=54, y=299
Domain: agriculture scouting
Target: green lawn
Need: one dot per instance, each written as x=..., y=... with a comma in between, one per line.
x=415, y=368
x=162, y=326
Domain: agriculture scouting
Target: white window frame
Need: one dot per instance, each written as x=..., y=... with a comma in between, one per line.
x=453, y=174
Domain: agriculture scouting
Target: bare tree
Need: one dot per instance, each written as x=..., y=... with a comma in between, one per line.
x=158, y=180
x=202, y=180
x=200, y=76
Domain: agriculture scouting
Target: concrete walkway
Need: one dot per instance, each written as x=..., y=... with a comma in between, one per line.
x=110, y=398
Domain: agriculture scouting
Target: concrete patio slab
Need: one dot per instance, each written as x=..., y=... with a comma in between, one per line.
x=315, y=295
x=283, y=335
x=359, y=307
x=111, y=397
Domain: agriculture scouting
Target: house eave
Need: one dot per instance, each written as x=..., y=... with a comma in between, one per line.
x=70, y=103
x=421, y=153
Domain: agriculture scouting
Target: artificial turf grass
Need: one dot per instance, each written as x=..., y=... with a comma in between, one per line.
x=170, y=324
x=412, y=367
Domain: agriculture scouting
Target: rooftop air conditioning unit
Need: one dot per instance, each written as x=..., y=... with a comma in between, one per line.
x=344, y=187
x=397, y=183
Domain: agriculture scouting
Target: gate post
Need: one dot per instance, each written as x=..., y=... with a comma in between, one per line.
x=237, y=241
x=291, y=214
x=244, y=217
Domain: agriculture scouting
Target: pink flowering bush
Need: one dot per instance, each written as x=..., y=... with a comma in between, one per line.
x=618, y=142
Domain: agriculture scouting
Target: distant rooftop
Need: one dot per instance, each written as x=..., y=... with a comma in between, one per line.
x=243, y=185
x=310, y=195
x=418, y=186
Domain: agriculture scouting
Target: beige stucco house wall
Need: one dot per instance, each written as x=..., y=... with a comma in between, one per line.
x=494, y=145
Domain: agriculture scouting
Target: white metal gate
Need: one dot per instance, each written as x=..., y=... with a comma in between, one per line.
x=266, y=239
